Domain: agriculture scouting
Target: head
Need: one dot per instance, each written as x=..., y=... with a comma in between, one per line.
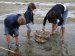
x=21, y=20
x=32, y=6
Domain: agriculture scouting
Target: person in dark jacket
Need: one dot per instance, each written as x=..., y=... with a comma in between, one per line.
x=29, y=18
x=12, y=23
x=57, y=12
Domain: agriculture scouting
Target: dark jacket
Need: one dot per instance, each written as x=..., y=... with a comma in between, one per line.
x=54, y=14
x=28, y=16
x=11, y=21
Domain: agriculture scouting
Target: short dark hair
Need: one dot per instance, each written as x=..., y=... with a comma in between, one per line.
x=32, y=5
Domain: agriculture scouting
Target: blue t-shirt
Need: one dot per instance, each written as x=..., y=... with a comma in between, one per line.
x=11, y=21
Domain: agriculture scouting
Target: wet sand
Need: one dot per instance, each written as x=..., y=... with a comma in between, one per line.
x=8, y=8
x=69, y=38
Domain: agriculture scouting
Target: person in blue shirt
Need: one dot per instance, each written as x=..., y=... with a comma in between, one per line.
x=57, y=12
x=12, y=23
x=29, y=18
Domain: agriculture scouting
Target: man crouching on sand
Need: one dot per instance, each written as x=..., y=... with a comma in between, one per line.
x=12, y=24
x=57, y=12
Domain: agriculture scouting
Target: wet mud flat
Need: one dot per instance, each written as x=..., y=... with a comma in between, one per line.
x=52, y=47
x=10, y=8
x=7, y=8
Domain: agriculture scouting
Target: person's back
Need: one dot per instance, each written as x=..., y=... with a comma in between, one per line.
x=59, y=8
x=11, y=21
